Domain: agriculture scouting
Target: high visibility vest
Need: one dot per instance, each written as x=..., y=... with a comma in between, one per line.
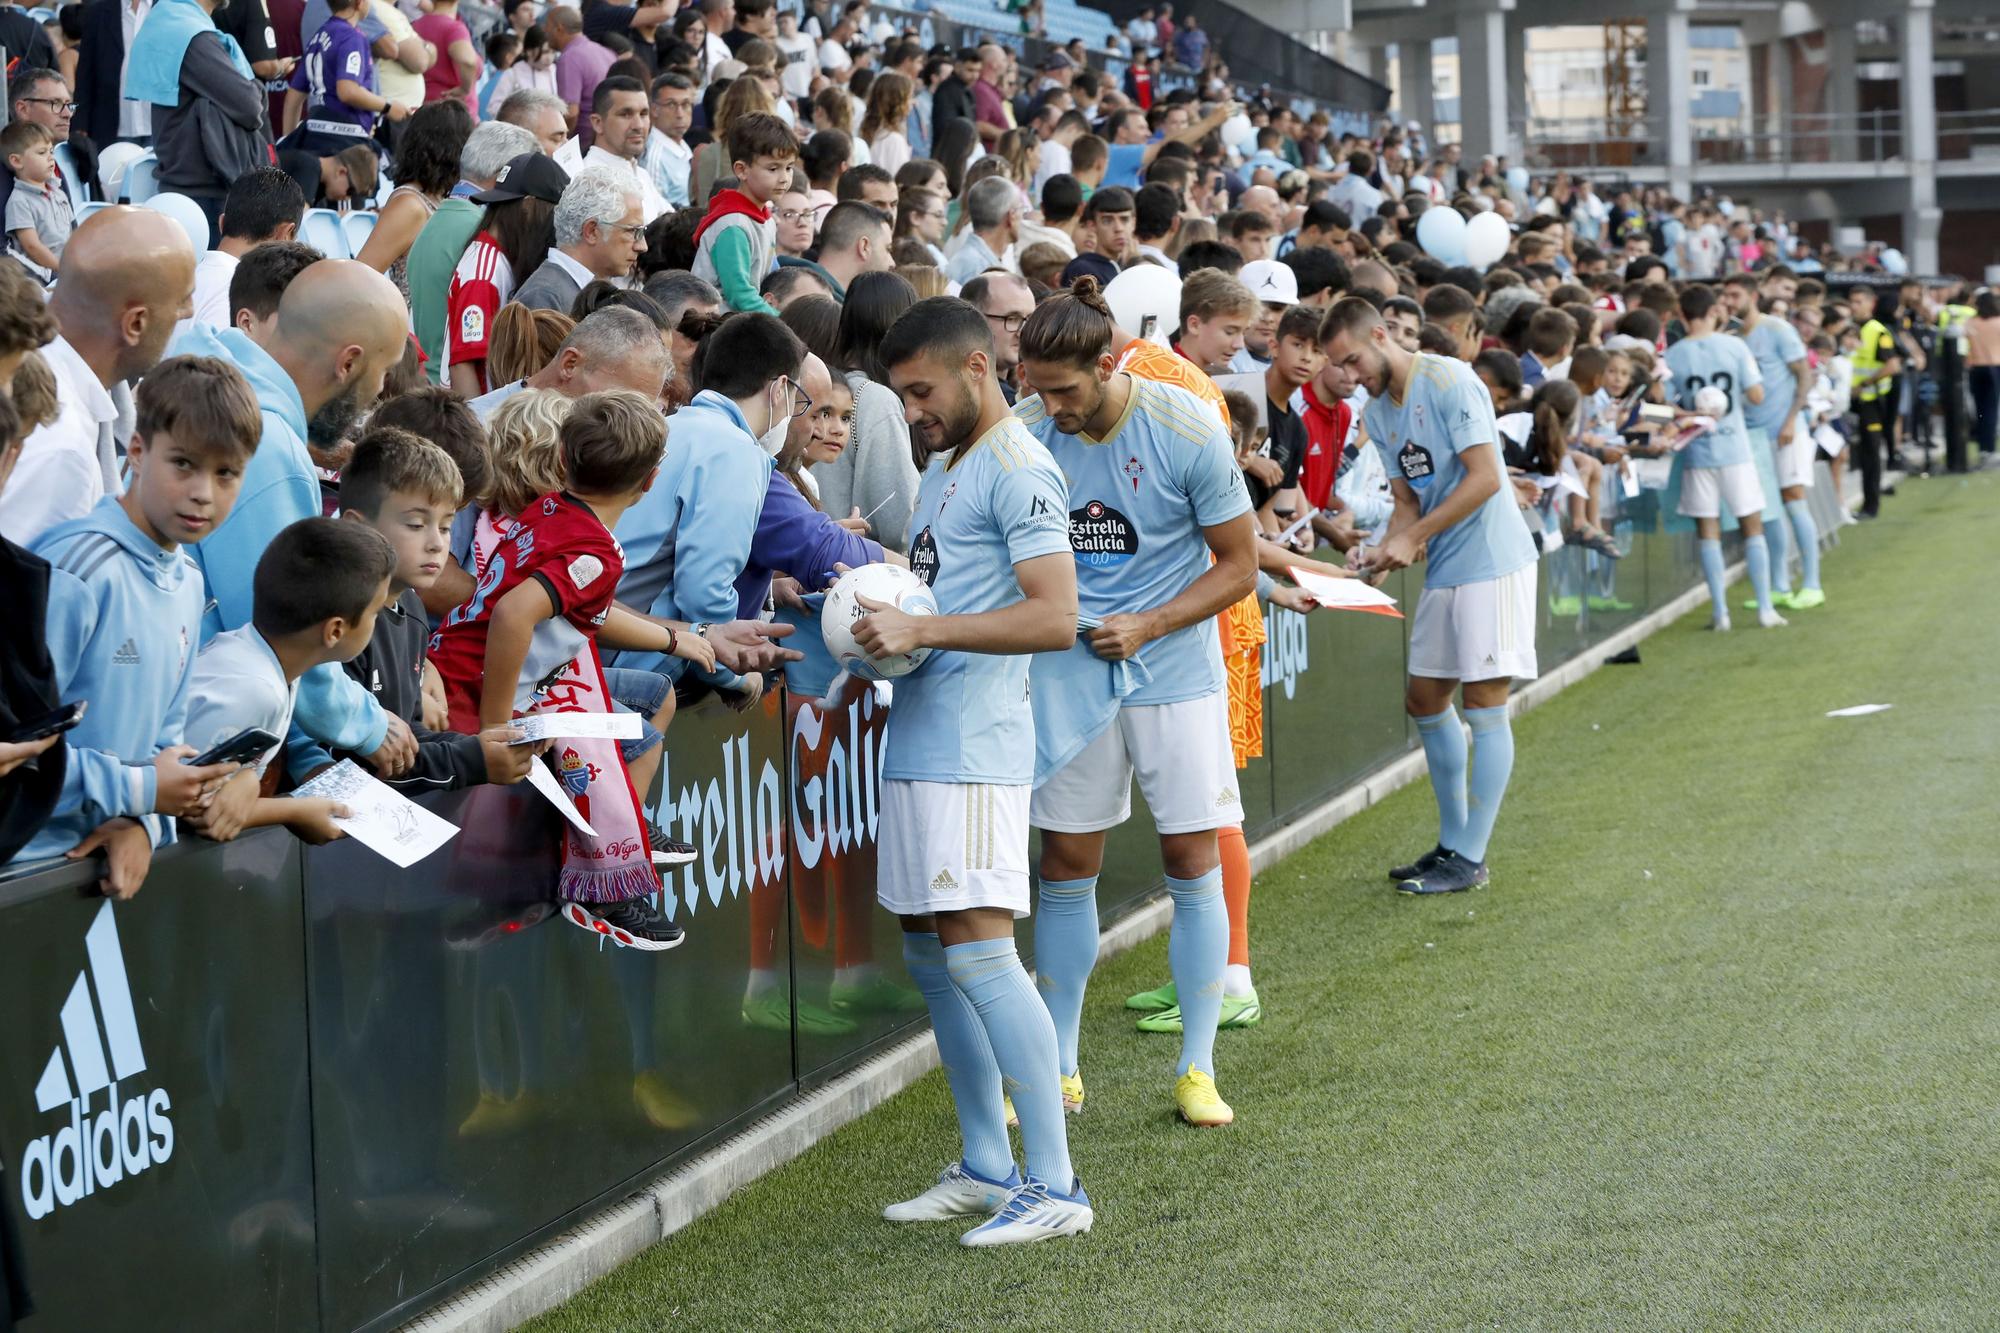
x=1953, y=316
x=1876, y=345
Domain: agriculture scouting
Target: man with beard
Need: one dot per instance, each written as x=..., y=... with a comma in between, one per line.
x=993, y=544
x=1431, y=422
x=340, y=327
x=1165, y=541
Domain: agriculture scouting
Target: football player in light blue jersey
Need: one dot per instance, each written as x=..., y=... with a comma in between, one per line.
x=1431, y=423
x=1165, y=540
x=992, y=541
x=1781, y=358
x=1718, y=469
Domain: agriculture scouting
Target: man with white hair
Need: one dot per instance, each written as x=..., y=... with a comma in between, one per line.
x=541, y=114
x=600, y=233
x=994, y=209
x=436, y=251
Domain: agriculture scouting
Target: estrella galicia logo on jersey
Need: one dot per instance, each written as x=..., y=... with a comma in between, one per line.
x=1415, y=461
x=1101, y=536
x=924, y=558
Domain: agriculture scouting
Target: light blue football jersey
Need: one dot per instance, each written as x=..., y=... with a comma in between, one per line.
x=1139, y=499
x=1445, y=411
x=965, y=717
x=1721, y=360
x=1775, y=344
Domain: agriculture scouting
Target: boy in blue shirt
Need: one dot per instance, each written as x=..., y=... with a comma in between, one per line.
x=124, y=620
x=992, y=543
x=1718, y=469
x=1431, y=423
x=1165, y=539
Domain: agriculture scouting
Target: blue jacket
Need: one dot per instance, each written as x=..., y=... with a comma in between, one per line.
x=280, y=487
x=796, y=539
x=689, y=537
x=124, y=622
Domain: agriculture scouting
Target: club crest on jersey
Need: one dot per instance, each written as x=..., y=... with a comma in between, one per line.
x=1415, y=461
x=1101, y=536
x=1135, y=470
x=1417, y=415
x=924, y=558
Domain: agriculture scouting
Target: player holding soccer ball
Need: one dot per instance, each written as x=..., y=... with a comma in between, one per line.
x=992, y=541
x=1156, y=492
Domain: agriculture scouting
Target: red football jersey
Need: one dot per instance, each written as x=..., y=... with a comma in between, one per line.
x=558, y=542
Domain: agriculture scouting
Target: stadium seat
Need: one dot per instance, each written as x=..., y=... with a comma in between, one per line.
x=72, y=178
x=142, y=179
x=358, y=226
x=324, y=232
x=112, y=162
x=42, y=14
x=95, y=206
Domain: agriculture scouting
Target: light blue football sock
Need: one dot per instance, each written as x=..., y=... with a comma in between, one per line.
x=1778, y=541
x=1758, y=557
x=1023, y=1038
x=1807, y=533
x=1711, y=569
x=1492, y=764
x=1197, y=950
x=1065, y=951
x=1444, y=754
x=967, y=1057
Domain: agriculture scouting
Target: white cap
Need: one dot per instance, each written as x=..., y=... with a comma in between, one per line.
x=1271, y=280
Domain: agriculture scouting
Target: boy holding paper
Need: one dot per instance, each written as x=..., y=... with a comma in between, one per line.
x=319, y=587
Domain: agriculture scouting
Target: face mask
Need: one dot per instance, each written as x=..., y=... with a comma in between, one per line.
x=773, y=439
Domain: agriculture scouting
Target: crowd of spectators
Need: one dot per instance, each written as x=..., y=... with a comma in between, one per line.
x=631, y=281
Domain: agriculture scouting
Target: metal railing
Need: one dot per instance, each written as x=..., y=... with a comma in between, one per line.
x=1792, y=139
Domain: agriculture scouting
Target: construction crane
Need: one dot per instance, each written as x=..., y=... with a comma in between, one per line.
x=1624, y=89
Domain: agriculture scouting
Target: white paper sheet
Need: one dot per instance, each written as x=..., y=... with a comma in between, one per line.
x=1299, y=524
x=593, y=726
x=543, y=781
x=1628, y=480
x=1341, y=594
x=382, y=819
x=1861, y=710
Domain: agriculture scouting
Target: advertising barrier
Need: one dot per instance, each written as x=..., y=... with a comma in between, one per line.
x=294, y=1088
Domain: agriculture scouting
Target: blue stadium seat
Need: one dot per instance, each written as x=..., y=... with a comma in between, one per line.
x=95, y=206
x=72, y=178
x=324, y=233
x=142, y=179
x=358, y=227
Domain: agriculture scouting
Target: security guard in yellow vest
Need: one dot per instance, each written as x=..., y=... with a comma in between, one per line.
x=1877, y=360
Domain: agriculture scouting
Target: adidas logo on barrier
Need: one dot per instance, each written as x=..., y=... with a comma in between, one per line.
x=93, y=1153
x=944, y=883
x=127, y=654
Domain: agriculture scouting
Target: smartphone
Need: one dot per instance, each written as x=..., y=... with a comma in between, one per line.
x=48, y=724
x=246, y=746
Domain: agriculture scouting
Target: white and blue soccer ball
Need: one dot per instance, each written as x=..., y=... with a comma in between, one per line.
x=892, y=584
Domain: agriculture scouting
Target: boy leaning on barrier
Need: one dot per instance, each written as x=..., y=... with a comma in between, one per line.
x=124, y=620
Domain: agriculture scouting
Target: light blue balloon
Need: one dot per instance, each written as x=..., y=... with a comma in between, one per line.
x=1441, y=231
x=1517, y=179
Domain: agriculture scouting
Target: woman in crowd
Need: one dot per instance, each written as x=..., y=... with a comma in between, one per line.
x=1022, y=153
x=833, y=109
x=876, y=478
x=923, y=173
x=523, y=341
x=920, y=216
x=888, y=113
x=926, y=280
x=957, y=141
x=512, y=241
x=426, y=169
x=535, y=68
x=455, y=73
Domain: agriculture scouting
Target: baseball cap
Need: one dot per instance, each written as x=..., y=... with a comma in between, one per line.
x=1271, y=281
x=529, y=176
x=1057, y=60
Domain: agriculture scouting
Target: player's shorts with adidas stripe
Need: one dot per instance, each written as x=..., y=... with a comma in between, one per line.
x=1476, y=631
x=1181, y=755
x=949, y=846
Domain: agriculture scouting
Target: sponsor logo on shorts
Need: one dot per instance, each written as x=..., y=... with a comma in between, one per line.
x=1101, y=536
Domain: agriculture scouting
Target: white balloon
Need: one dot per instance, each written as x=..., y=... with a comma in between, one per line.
x=1486, y=239
x=1238, y=132
x=186, y=212
x=1141, y=291
x=1517, y=179
x=878, y=583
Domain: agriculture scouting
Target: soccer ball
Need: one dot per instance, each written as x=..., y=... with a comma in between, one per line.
x=878, y=583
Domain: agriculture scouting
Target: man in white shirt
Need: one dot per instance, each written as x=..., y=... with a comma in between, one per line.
x=668, y=158
x=621, y=123
x=266, y=205
x=125, y=281
x=799, y=55
x=1353, y=192
x=135, y=118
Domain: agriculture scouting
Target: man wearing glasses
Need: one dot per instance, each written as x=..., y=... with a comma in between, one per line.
x=668, y=158
x=600, y=233
x=43, y=98
x=1006, y=302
